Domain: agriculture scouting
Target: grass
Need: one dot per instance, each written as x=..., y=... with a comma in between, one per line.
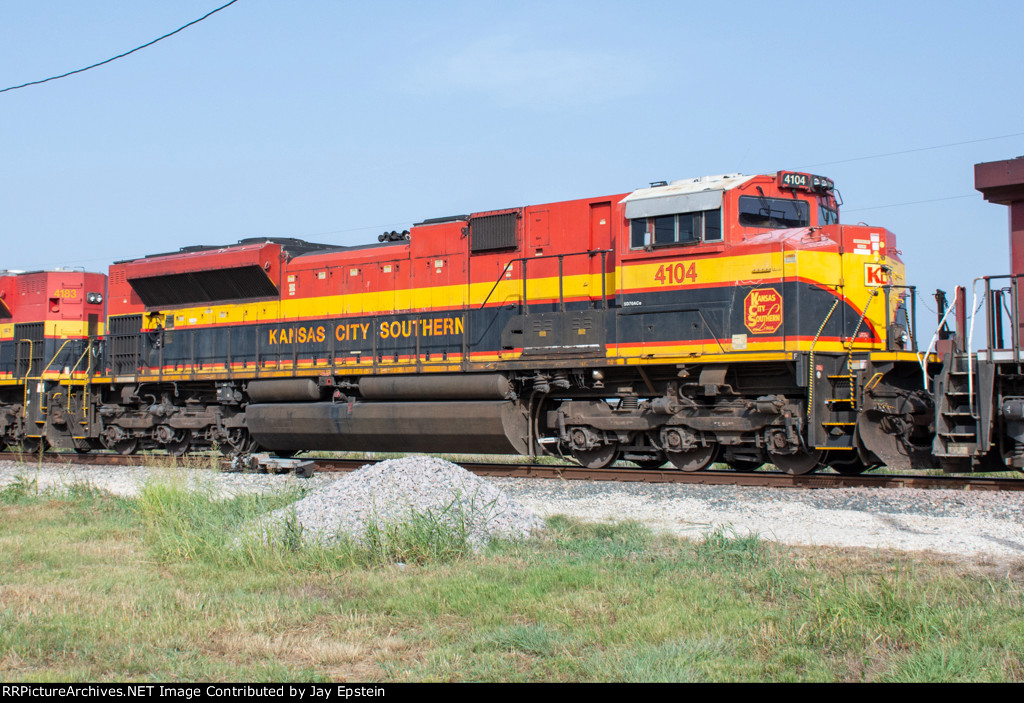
x=168, y=586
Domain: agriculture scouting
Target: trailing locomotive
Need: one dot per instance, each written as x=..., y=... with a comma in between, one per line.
x=728, y=318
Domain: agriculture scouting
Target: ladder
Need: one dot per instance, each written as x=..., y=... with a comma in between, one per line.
x=956, y=427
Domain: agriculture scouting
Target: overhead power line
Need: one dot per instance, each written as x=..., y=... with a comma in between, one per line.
x=120, y=56
x=912, y=202
x=913, y=151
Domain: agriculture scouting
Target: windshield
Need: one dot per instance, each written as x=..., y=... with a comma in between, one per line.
x=774, y=213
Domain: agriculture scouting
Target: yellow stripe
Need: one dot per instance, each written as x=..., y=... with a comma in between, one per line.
x=904, y=356
x=458, y=296
x=725, y=349
x=60, y=329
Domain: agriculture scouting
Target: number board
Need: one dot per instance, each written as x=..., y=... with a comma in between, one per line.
x=804, y=181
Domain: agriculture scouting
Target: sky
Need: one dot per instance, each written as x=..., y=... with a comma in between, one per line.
x=334, y=121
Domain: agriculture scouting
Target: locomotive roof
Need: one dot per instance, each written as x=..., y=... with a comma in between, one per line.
x=687, y=195
x=293, y=247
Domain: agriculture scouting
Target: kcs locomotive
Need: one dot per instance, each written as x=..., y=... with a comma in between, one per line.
x=719, y=319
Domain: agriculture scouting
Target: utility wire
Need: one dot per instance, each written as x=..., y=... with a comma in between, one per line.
x=120, y=56
x=913, y=202
x=912, y=151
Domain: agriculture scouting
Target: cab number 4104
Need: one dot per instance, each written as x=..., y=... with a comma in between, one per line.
x=680, y=272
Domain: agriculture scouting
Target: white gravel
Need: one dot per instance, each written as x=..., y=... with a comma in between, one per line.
x=954, y=522
x=951, y=522
x=128, y=480
x=387, y=492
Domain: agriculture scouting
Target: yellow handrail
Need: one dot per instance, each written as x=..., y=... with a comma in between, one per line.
x=56, y=354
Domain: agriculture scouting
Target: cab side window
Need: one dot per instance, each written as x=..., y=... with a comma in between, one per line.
x=676, y=230
x=827, y=215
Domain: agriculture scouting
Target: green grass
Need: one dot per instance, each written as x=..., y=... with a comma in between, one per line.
x=177, y=586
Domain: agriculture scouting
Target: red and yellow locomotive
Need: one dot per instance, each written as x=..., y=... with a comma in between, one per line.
x=728, y=318
x=50, y=326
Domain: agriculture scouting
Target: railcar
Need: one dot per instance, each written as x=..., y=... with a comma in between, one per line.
x=50, y=326
x=721, y=318
x=727, y=318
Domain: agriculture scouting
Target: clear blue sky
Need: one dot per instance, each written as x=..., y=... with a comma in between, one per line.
x=333, y=120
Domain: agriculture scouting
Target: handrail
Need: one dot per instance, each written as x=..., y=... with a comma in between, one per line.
x=56, y=354
x=995, y=302
x=561, y=278
x=31, y=357
x=87, y=352
x=495, y=286
x=911, y=316
x=992, y=321
x=561, y=257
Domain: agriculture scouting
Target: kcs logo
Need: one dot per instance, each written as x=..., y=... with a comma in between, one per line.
x=875, y=275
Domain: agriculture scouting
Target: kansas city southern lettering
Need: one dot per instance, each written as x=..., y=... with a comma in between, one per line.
x=300, y=335
x=358, y=331
x=437, y=327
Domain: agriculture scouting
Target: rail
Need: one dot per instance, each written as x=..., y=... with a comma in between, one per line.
x=762, y=478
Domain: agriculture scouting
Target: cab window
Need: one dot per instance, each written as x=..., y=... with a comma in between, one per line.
x=676, y=230
x=827, y=214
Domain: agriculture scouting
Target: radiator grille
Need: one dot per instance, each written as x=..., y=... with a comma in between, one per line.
x=123, y=338
x=30, y=343
x=204, y=286
x=493, y=232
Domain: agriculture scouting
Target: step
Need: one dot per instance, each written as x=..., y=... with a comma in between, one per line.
x=959, y=450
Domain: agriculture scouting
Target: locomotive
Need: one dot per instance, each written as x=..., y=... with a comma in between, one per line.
x=727, y=318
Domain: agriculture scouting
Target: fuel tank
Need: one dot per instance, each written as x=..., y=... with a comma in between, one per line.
x=465, y=427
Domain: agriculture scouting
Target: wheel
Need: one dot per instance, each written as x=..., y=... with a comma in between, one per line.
x=239, y=442
x=126, y=446
x=597, y=458
x=33, y=445
x=802, y=462
x=180, y=444
x=698, y=458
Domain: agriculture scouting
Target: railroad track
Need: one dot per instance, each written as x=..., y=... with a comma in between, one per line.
x=773, y=479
